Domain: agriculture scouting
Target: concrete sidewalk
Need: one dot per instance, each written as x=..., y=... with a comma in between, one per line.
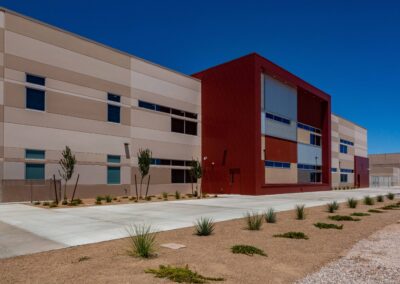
x=25, y=229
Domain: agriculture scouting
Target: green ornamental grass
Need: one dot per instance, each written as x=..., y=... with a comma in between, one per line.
x=270, y=216
x=253, y=221
x=247, y=250
x=352, y=203
x=180, y=274
x=328, y=226
x=204, y=226
x=300, y=212
x=292, y=235
x=142, y=240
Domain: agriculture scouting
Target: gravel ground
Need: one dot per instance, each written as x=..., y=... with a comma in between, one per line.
x=372, y=260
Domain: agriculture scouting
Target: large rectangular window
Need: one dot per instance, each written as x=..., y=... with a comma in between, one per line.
x=34, y=171
x=35, y=99
x=343, y=177
x=177, y=176
x=315, y=177
x=113, y=175
x=315, y=139
x=113, y=159
x=114, y=113
x=177, y=125
x=33, y=79
x=343, y=149
x=274, y=164
x=34, y=154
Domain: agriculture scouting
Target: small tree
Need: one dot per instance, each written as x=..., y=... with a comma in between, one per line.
x=195, y=174
x=144, y=159
x=67, y=163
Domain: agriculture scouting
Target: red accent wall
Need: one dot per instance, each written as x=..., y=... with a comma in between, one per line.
x=361, y=173
x=231, y=127
x=280, y=150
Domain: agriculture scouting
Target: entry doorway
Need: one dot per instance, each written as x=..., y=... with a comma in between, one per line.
x=234, y=180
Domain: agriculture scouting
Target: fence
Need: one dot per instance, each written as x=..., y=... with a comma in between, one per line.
x=29, y=190
x=384, y=181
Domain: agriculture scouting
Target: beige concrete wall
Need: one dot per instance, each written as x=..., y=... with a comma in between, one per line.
x=276, y=175
x=344, y=129
x=79, y=74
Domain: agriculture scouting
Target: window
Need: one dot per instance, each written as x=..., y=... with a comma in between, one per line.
x=343, y=177
x=114, y=113
x=347, y=142
x=34, y=171
x=147, y=105
x=346, y=171
x=315, y=139
x=315, y=177
x=34, y=154
x=178, y=163
x=113, y=159
x=273, y=164
x=114, y=98
x=191, y=115
x=277, y=118
x=307, y=127
x=190, y=127
x=343, y=149
x=35, y=99
x=177, y=176
x=113, y=175
x=166, y=162
x=177, y=112
x=33, y=79
x=177, y=125
x=160, y=108
x=333, y=170
x=189, y=178
x=308, y=167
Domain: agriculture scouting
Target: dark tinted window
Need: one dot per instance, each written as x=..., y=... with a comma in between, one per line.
x=191, y=115
x=35, y=79
x=114, y=113
x=343, y=178
x=165, y=162
x=190, y=127
x=163, y=109
x=177, y=112
x=114, y=98
x=34, y=99
x=189, y=178
x=177, y=176
x=177, y=125
x=178, y=163
x=147, y=105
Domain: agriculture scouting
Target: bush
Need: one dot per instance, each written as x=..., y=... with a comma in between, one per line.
x=83, y=258
x=375, y=211
x=115, y=199
x=132, y=198
x=177, y=195
x=204, y=226
x=125, y=197
x=142, y=240
x=165, y=195
x=343, y=218
x=78, y=201
x=108, y=198
x=46, y=203
x=36, y=203
x=391, y=207
x=64, y=202
x=328, y=226
x=332, y=206
x=379, y=198
x=270, y=216
x=300, y=213
x=368, y=200
x=360, y=214
x=99, y=198
x=253, y=221
x=98, y=202
x=292, y=235
x=180, y=274
x=53, y=205
x=352, y=203
x=148, y=198
x=73, y=203
x=247, y=250
x=390, y=196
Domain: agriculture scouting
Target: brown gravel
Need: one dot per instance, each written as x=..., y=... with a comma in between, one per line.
x=288, y=260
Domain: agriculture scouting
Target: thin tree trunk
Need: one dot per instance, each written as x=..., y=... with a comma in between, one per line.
x=147, y=189
x=191, y=181
x=76, y=184
x=137, y=196
x=65, y=191
x=55, y=188
x=140, y=191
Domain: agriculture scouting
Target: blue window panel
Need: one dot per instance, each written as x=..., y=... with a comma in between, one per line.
x=269, y=163
x=346, y=142
x=114, y=113
x=35, y=99
x=155, y=161
x=343, y=178
x=35, y=79
x=114, y=98
x=277, y=118
x=34, y=154
x=113, y=159
x=343, y=149
x=286, y=165
x=113, y=175
x=273, y=164
x=147, y=105
x=334, y=170
x=34, y=171
x=268, y=115
x=346, y=170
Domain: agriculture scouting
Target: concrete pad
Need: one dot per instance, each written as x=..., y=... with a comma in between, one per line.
x=173, y=246
x=64, y=227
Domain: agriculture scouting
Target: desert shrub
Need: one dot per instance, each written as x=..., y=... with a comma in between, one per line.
x=46, y=203
x=379, y=198
x=148, y=198
x=64, y=202
x=97, y=202
x=125, y=197
x=292, y=235
x=300, y=212
x=181, y=274
x=270, y=216
x=165, y=195
x=83, y=258
x=332, y=206
x=99, y=198
x=177, y=195
x=360, y=214
x=142, y=240
x=390, y=196
x=352, y=203
x=368, y=200
x=132, y=198
x=108, y=198
x=253, y=221
x=36, y=203
x=204, y=226
x=53, y=205
x=343, y=218
x=247, y=250
x=328, y=226
x=375, y=211
x=73, y=203
x=115, y=199
x=391, y=207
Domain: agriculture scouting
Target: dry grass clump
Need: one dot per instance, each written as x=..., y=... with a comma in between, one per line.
x=181, y=274
x=253, y=221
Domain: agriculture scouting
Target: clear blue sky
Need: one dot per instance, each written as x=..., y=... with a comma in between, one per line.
x=348, y=48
